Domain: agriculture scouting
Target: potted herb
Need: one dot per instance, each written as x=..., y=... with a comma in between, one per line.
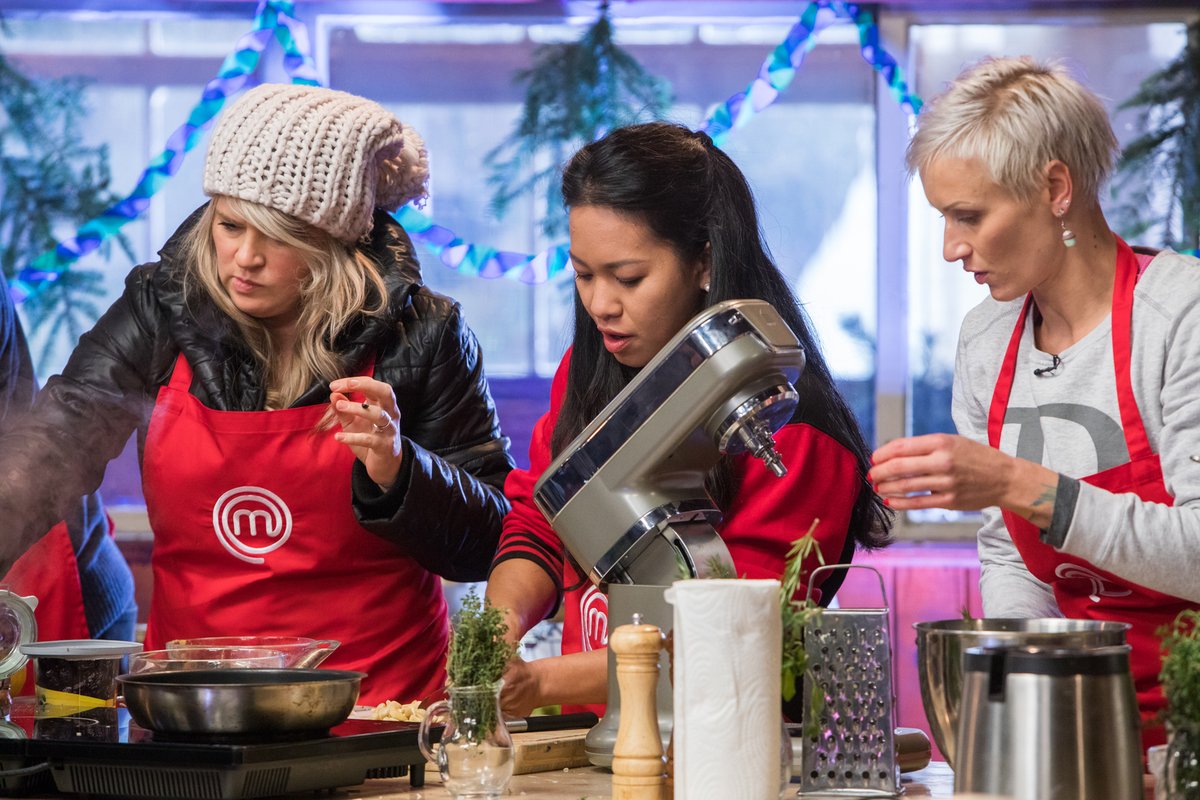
x=1180, y=678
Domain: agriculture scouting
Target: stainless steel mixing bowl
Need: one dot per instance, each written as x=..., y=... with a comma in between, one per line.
x=940, y=646
x=241, y=702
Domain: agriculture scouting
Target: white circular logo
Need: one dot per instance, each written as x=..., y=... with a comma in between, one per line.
x=250, y=522
x=593, y=609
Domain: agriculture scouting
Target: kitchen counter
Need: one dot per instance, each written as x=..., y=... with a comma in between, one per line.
x=582, y=783
x=592, y=783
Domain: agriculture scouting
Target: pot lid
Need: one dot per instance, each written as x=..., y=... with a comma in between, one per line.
x=18, y=627
x=80, y=649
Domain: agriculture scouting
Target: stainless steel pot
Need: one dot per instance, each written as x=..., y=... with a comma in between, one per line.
x=237, y=702
x=940, y=646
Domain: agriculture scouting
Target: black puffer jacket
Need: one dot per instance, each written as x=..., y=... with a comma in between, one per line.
x=445, y=508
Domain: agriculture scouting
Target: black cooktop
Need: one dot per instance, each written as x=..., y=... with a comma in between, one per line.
x=102, y=752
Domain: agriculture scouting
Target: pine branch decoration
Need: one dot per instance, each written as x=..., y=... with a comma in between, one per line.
x=50, y=180
x=575, y=93
x=1164, y=162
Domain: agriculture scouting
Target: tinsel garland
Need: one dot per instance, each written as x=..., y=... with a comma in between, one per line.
x=276, y=18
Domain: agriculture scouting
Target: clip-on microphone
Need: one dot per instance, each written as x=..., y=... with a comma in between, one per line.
x=1043, y=371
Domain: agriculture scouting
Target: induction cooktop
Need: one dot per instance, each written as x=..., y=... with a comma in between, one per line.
x=102, y=752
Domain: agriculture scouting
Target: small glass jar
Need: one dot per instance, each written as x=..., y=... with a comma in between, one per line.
x=1182, y=771
x=475, y=754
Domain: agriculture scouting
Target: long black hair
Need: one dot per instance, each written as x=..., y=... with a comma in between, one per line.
x=692, y=196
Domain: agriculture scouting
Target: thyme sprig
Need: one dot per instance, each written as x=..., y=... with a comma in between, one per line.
x=478, y=650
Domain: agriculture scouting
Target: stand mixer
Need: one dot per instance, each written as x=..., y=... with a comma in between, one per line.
x=627, y=496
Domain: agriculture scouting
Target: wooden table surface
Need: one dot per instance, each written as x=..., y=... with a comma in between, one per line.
x=592, y=783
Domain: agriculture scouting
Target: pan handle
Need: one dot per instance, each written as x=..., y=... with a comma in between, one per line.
x=319, y=650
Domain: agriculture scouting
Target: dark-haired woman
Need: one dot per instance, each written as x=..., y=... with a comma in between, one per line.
x=662, y=225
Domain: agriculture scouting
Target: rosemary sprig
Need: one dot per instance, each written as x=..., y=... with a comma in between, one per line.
x=716, y=567
x=796, y=615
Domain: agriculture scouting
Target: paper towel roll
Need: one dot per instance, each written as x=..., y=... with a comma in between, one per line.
x=727, y=697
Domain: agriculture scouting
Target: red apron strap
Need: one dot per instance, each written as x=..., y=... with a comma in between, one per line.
x=1004, y=381
x=1124, y=283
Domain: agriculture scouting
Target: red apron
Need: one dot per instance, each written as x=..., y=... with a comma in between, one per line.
x=48, y=572
x=254, y=534
x=1084, y=591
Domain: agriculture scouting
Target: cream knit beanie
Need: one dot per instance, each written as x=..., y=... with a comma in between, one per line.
x=325, y=157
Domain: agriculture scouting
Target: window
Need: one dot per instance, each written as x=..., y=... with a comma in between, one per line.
x=1111, y=56
x=1111, y=59
x=853, y=235
x=810, y=160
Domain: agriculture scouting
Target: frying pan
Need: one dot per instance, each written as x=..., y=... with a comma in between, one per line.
x=239, y=702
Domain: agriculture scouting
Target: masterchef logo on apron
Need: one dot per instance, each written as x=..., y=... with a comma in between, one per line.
x=593, y=610
x=250, y=522
x=1100, y=587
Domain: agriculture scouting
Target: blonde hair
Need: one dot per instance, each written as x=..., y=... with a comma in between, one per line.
x=339, y=284
x=1016, y=115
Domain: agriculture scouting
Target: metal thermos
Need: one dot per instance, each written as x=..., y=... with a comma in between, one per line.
x=1049, y=724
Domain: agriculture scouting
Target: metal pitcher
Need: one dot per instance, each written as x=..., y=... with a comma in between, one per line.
x=1049, y=724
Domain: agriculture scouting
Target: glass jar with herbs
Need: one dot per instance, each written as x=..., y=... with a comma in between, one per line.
x=475, y=752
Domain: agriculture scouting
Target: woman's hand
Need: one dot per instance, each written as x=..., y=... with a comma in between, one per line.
x=946, y=471
x=522, y=689
x=371, y=429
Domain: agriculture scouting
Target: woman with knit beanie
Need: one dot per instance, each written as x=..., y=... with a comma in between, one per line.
x=317, y=439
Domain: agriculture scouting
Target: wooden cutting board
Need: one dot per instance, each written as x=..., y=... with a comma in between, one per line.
x=548, y=750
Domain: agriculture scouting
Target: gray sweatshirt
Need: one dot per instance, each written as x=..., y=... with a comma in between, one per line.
x=1069, y=421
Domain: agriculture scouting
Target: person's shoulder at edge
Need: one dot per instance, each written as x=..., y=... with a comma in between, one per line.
x=1170, y=284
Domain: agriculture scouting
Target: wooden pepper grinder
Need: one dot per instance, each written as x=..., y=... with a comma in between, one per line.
x=638, y=767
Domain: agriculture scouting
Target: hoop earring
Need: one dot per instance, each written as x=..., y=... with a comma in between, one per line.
x=1068, y=235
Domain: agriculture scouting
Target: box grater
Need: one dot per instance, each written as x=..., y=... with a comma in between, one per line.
x=850, y=661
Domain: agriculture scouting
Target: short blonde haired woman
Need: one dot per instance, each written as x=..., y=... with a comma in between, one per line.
x=318, y=439
x=1077, y=384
